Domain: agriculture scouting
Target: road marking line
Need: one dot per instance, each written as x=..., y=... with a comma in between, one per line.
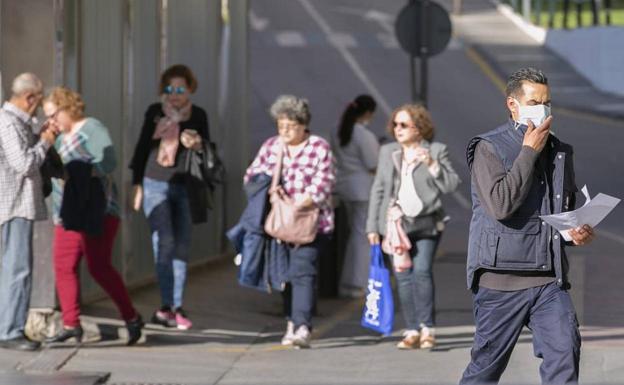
x=612, y=107
x=462, y=200
x=257, y=23
x=523, y=57
x=359, y=72
x=486, y=68
x=346, y=55
x=342, y=315
x=290, y=39
x=571, y=89
x=387, y=40
x=611, y=236
x=344, y=40
x=500, y=84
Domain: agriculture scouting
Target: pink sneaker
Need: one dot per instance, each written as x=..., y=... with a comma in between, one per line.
x=164, y=317
x=182, y=319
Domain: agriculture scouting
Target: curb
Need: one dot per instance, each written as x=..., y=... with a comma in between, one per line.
x=497, y=75
x=536, y=33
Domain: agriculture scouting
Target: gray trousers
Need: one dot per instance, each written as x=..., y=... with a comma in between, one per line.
x=357, y=253
x=15, y=276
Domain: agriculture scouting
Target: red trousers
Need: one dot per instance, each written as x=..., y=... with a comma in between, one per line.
x=69, y=247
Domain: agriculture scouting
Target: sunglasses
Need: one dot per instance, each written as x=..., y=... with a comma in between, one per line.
x=401, y=124
x=175, y=90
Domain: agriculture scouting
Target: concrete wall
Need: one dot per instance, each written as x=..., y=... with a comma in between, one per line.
x=596, y=52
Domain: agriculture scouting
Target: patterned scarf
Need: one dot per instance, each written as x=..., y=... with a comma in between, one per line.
x=168, y=131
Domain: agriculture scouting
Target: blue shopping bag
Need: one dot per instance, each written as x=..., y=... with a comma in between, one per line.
x=378, y=312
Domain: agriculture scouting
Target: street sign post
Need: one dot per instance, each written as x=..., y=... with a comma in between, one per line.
x=423, y=29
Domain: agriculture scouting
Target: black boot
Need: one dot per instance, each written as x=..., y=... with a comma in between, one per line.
x=134, y=330
x=66, y=334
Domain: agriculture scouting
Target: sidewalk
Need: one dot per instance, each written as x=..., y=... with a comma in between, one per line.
x=504, y=47
x=235, y=340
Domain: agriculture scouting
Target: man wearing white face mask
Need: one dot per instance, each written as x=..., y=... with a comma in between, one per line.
x=516, y=265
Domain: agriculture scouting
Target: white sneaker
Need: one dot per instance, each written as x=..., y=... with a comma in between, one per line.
x=288, y=338
x=302, y=337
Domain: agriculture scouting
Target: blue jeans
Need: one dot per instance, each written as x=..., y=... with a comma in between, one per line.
x=166, y=206
x=415, y=286
x=15, y=276
x=499, y=318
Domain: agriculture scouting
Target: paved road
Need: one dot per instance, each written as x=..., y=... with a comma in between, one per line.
x=329, y=51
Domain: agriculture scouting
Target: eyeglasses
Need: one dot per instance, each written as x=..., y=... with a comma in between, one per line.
x=402, y=125
x=287, y=126
x=175, y=90
x=53, y=115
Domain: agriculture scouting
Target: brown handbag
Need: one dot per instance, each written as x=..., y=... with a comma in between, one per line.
x=286, y=221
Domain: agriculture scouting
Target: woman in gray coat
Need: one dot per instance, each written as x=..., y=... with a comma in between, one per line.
x=412, y=174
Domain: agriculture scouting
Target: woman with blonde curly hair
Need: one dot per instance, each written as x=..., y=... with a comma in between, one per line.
x=86, y=212
x=405, y=208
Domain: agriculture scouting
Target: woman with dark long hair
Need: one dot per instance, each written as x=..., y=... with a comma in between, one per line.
x=356, y=150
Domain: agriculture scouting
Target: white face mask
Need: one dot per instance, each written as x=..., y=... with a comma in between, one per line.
x=537, y=114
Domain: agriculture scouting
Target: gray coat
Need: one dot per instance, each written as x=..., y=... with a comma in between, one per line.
x=429, y=189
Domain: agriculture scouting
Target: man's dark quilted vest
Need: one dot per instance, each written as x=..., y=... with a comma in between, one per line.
x=522, y=242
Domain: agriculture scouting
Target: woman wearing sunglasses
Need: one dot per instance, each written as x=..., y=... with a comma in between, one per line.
x=171, y=128
x=405, y=208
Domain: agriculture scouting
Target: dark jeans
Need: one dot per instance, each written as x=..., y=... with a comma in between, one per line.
x=300, y=293
x=415, y=286
x=500, y=316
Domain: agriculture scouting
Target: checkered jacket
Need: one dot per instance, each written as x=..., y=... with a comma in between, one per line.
x=21, y=156
x=310, y=172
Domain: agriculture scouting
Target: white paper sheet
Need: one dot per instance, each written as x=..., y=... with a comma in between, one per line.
x=591, y=213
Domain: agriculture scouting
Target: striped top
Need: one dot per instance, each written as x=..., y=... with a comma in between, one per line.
x=91, y=143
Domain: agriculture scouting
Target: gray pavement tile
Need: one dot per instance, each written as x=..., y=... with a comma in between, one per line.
x=65, y=378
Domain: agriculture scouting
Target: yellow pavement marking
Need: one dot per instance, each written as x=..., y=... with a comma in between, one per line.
x=340, y=316
x=487, y=69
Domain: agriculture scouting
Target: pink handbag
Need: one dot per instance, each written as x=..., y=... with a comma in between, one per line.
x=286, y=221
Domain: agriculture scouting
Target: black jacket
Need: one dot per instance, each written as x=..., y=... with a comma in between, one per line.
x=84, y=201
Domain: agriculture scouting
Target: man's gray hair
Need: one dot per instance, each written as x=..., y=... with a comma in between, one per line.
x=26, y=82
x=291, y=107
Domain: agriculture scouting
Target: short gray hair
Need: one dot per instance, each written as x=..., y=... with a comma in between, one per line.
x=26, y=82
x=291, y=107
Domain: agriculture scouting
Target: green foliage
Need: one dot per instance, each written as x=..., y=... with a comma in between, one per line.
x=617, y=13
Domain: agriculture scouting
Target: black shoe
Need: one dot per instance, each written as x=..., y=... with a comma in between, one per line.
x=20, y=343
x=134, y=330
x=66, y=334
